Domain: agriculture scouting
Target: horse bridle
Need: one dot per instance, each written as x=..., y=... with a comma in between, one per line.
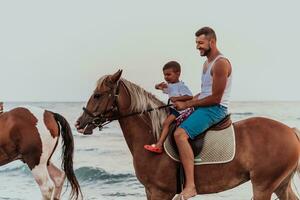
x=101, y=119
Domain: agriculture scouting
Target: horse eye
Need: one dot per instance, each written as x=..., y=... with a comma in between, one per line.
x=97, y=96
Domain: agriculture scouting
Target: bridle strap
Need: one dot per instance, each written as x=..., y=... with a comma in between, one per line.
x=98, y=119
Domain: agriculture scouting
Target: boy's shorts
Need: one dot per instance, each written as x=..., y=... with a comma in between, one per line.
x=174, y=112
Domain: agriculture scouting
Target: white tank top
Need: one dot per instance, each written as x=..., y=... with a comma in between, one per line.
x=207, y=80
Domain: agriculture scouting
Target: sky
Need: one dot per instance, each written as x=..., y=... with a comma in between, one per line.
x=57, y=50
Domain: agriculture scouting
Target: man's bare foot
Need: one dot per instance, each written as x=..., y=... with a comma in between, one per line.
x=188, y=192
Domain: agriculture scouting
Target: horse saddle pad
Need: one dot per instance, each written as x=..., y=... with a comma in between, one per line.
x=218, y=147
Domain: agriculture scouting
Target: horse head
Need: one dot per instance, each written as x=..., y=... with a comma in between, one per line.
x=103, y=105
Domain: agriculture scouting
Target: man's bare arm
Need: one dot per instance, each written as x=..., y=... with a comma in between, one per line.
x=221, y=70
x=181, y=98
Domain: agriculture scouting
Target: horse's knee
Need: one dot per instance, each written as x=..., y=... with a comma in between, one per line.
x=58, y=176
x=59, y=180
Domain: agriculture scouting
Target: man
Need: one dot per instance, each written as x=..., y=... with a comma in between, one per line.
x=211, y=102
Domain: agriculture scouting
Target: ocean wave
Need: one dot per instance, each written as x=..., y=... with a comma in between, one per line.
x=84, y=174
x=88, y=149
x=123, y=194
x=243, y=113
x=8, y=198
x=91, y=174
x=21, y=168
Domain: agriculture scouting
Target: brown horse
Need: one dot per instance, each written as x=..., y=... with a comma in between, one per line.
x=31, y=135
x=267, y=151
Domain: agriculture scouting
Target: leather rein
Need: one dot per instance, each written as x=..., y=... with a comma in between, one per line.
x=101, y=119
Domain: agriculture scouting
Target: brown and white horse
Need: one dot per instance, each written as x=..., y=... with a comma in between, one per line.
x=31, y=135
x=267, y=151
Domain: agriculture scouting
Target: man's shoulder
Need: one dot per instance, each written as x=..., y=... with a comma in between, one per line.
x=222, y=64
x=222, y=61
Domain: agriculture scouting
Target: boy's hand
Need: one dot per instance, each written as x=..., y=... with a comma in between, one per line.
x=161, y=86
x=173, y=99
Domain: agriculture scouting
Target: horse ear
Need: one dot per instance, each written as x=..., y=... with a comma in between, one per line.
x=116, y=76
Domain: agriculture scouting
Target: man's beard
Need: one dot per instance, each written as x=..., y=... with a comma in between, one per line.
x=206, y=52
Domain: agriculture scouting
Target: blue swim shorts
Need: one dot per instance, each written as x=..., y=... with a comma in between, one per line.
x=203, y=118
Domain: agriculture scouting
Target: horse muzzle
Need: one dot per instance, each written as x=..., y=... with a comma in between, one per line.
x=85, y=129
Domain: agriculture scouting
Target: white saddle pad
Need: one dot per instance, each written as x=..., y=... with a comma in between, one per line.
x=218, y=147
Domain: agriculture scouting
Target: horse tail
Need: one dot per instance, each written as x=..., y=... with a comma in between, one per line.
x=67, y=155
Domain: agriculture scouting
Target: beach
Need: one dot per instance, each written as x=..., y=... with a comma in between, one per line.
x=103, y=163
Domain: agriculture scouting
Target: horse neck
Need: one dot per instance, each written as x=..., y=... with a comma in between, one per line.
x=137, y=129
x=137, y=132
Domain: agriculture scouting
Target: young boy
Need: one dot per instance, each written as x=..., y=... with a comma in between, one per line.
x=177, y=91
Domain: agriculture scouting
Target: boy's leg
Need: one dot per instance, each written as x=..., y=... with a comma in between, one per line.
x=165, y=129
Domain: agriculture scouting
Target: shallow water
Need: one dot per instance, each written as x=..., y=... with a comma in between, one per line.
x=103, y=163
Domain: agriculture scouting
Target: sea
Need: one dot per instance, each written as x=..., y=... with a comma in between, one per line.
x=103, y=163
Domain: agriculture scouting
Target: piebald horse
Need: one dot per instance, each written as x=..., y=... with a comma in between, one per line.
x=267, y=151
x=31, y=135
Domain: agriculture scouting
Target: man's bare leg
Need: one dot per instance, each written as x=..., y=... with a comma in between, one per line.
x=187, y=158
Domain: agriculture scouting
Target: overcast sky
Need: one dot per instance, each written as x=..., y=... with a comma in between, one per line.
x=56, y=50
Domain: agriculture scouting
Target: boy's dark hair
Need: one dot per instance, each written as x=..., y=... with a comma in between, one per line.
x=172, y=65
x=207, y=31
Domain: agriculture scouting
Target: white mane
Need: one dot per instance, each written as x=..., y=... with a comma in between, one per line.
x=142, y=100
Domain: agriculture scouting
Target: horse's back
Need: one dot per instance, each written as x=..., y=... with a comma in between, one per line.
x=262, y=127
x=30, y=131
x=266, y=142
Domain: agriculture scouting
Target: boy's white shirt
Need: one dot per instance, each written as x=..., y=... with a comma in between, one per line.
x=177, y=89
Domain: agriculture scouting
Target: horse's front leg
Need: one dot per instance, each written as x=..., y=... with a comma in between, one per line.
x=158, y=194
x=148, y=194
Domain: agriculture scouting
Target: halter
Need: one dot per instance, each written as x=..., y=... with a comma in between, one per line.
x=101, y=119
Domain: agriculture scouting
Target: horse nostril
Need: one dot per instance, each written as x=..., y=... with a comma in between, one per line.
x=77, y=123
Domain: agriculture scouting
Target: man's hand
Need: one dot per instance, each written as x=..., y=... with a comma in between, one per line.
x=161, y=86
x=180, y=105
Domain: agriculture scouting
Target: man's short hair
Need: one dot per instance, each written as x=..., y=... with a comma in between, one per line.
x=172, y=65
x=207, y=31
